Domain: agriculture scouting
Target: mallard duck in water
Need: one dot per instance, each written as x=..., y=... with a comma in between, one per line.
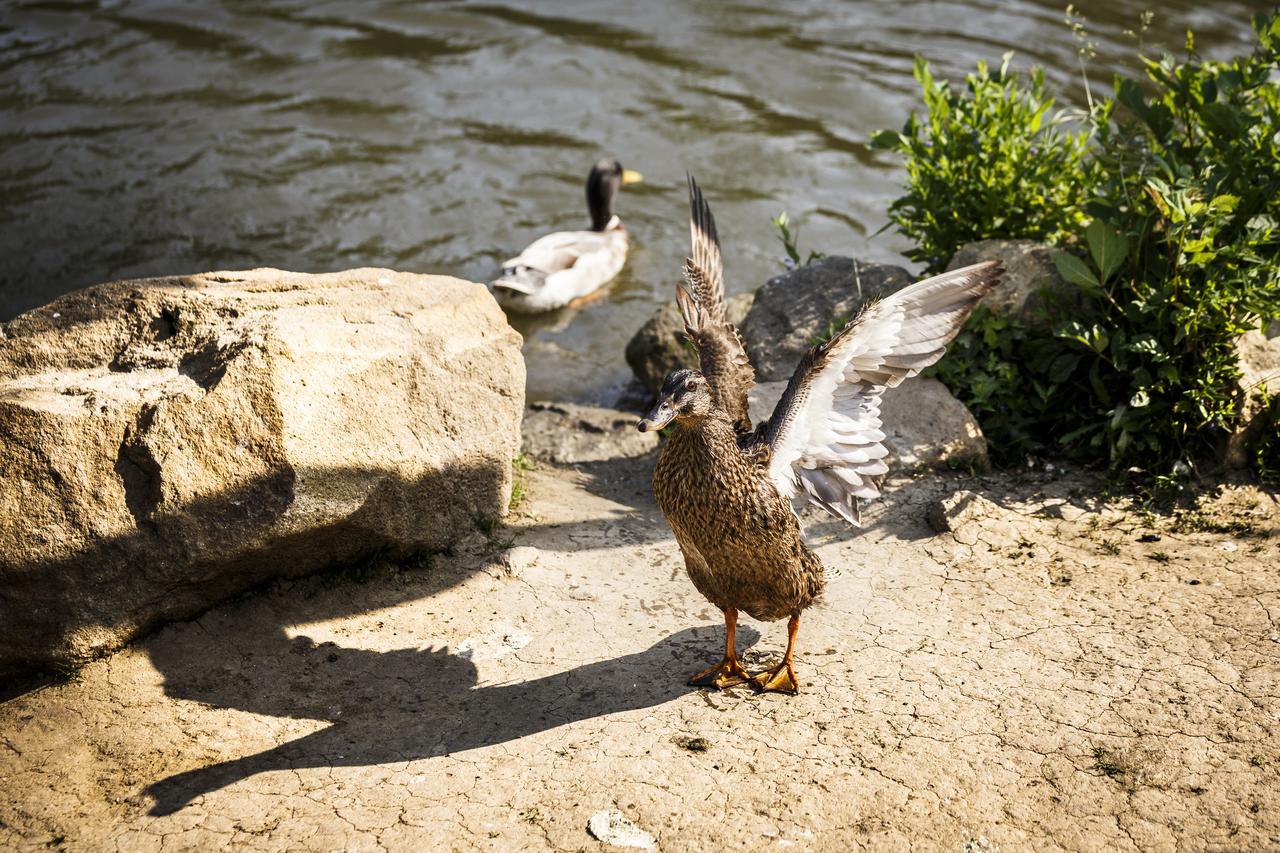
x=727, y=490
x=567, y=265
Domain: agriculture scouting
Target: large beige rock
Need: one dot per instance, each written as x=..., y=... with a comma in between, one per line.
x=1032, y=291
x=924, y=425
x=166, y=443
x=659, y=346
x=1259, y=352
x=793, y=310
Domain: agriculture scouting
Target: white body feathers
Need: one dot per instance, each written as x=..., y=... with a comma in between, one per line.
x=561, y=267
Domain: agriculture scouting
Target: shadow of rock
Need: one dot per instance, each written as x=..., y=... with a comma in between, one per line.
x=411, y=704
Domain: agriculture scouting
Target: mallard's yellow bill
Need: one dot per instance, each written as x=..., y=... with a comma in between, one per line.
x=631, y=176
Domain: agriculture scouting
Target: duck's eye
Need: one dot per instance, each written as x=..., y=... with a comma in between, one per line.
x=691, y=385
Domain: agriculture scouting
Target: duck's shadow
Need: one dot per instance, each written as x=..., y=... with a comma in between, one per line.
x=410, y=704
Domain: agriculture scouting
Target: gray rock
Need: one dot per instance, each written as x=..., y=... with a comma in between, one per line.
x=166, y=443
x=659, y=346
x=924, y=425
x=1032, y=291
x=569, y=434
x=794, y=309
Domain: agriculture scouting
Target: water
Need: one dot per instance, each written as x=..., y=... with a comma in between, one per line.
x=145, y=138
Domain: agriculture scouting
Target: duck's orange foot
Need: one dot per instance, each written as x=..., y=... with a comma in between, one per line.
x=780, y=679
x=727, y=673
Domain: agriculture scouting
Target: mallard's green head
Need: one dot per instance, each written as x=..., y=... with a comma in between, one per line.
x=684, y=396
x=602, y=185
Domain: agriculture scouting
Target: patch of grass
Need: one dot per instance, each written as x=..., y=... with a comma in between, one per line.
x=519, y=493
x=362, y=569
x=1108, y=763
x=694, y=744
x=522, y=463
x=66, y=672
x=1111, y=547
x=1200, y=521
x=1160, y=557
x=420, y=560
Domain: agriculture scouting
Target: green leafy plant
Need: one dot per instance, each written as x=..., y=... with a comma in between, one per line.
x=1003, y=372
x=1183, y=253
x=988, y=161
x=521, y=464
x=789, y=235
x=1168, y=231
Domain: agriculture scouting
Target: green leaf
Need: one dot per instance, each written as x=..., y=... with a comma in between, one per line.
x=1061, y=368
x=1107, y=246
x=886, y=140
x=1129, y=93
x=1076, y=271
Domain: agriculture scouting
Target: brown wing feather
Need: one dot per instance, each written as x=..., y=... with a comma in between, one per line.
x=722, y=357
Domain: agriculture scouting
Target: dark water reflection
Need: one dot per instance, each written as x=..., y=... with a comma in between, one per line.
x=144, y=138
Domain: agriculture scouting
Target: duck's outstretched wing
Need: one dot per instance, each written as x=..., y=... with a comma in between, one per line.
x=824, y=437
x=721, y=355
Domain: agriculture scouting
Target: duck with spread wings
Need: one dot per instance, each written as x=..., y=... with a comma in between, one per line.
x=728, y=490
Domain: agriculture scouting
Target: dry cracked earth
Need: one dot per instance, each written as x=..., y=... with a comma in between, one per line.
x=1054, y=672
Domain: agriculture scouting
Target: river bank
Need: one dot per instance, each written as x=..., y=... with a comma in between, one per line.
x=1054, y=672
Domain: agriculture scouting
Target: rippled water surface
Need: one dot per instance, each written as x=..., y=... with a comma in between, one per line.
x=141, y=138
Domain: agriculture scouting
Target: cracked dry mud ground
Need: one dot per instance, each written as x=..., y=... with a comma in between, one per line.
x=1050, y=675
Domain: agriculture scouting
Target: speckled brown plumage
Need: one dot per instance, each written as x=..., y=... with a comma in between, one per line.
x=740, y=539
x=726, y=491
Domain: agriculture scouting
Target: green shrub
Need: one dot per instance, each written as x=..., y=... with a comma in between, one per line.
x=996, y=367
x=1181, y=255
x=987, y=162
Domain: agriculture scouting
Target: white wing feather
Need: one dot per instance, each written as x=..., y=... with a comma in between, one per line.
x=824, y=436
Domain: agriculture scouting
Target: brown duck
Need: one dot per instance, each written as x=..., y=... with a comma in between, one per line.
x=727, y=490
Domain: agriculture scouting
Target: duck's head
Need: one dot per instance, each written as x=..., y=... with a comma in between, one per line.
x=602, y=185
x=684, y=397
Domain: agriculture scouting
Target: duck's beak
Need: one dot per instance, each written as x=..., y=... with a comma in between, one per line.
x=659, y=417
x=630, y=176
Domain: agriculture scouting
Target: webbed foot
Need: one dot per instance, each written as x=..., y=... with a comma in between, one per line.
x=780, y=679
x=727, y=673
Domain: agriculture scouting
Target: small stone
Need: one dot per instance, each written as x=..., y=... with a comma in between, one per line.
x=694, y=744
x=612, y=827
x=514, y=561
x=951, y=514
